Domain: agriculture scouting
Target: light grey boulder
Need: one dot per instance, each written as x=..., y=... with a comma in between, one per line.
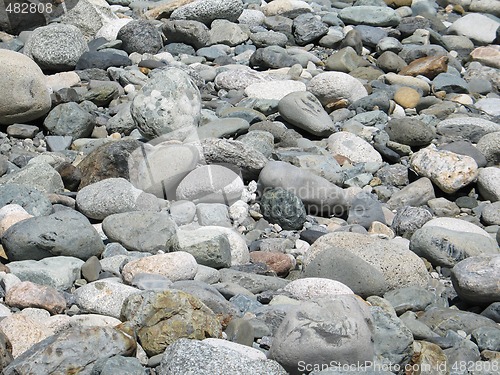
x=415, y=194
x=489, y=146
x=475, y=279
x=206, y=11
x=24, y=78
x=140, y=231
x=315, y=332
x=477, y=27
x=330, y=87
x=169, y=101
x=370, y=15
x=488, y=183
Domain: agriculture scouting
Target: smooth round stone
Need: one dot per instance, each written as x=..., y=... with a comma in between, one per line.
x=30, y=295
x=410, y=131
x=11, y=214
x=140, y=36
x=440, y=320
x=304, y=110
x=489, y=105
x=330, y=87
x=208, y=11
x=409, y=219
x=488, y=183
x=350, y=146
x=175, y=266
x=251, y=17
x=286, y=8
x=446, y=247
x=456, y=225
x=475, y=279
x=284, y=208
x=169, y=101
x=211, y=184
x=407, y=97
x=56, y=46
x=449, y=171
x=369, y=15
x=491, y=214
x=274, y=57
x=193, y=33
x=365, y=210
x=302, y=334
x=269, y=38
x=388, y=61
x=489, y=146
x=113, y=196
x=311, y=288
x=24, y=78
x=410, y=299
x=477, y=27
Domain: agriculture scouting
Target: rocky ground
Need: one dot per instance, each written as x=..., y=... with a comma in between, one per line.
x=228, y=187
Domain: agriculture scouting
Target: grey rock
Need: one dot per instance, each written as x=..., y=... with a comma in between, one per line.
x=226, y=32
x=487, y=338
x=337, y=327
x=189, y=356
x=354, y=39
x=118, y=363
x=282, y=207
x=269, y=38
x=475, y=279
x=443, y=207
x=112, y=196
x=58, y=143
x=22, y=131
x=466, y=128
x=410, y=299
x=410, y=131
x=364, y=210
x=190, y=32
x=156, y=108
x=32, y=200
x=40, y=176
x=259, y=140
x=445, y=247
x=149, y=281
x=307, y=28
x=369, y=15
x=56, y=47
x=488, y=183
x=450, y=83
x=355, y=148
x=140, y=231
x=182, y=212
x=122, y=122
x=388, y=61
x=252, y=282
x=466, y=148
x=392, y=340
x=57, y=272
x=64, y=233
x=492, y=312
x=477, y=27
x=241, y=331
x=491, y=214
x=419, y=330
x=488, y=145
x=238, y=79
x=317, y=193
x=409, y=219
x=4, y=165
x=272, y=57
x=207, y=11
x=91, y=269
x=211, y=184
x=44, y=357
x=223, y=127
x=333, y=86
x=440, y=320
x=304, y=110
x=69, y=119
x=345, y=60
x=104, y=297
x=140, y=36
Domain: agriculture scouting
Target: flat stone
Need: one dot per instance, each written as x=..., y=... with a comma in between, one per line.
x=252, y=282
x=350, y=146
x=477, y=27
x=369, y=15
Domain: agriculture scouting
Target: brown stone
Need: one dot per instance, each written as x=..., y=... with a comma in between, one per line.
x=407, y=97
x=489, y=55
x=278, y=262
x=428, y=355
x=429, y=66
x=165, y=10
x=28, y=294
x=5, y=351
x=398, y=3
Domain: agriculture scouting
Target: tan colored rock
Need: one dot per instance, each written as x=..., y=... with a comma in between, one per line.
x=164, y=10
x=176, y=266
x=398, y=3
x=489, y=55
x=398, y=79
x=428, y=66
x=278, y=262
x=449, y=171
x=407, y=97
x=161, y=318
x=381, y=229
x=428, y=355
x=28, y=294
x=10, y=215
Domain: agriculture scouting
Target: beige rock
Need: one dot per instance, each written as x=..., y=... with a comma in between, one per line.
x=10, y=215
x=489, y=55
x=428, y=355
x=407, y=97
x=311, y=288
x=279, y=263
x=176, y=266
x=397, y=79
x=428, y=66
x=28, y=294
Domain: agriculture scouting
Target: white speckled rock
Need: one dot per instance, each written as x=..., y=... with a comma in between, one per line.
x=242, y=349
x=239, y=78
x=449, y=171
x=311, y=288
x=175, y=266
x=104, y=297
x=333, y=86
x=286, y=8
x=488, y=183
x=352, y=147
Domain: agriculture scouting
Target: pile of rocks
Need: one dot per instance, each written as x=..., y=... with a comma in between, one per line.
x=240, y=187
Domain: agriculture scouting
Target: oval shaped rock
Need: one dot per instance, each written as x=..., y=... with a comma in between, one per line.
x=28, y=294
x=64, y=233
x=178, y=265
x=330, y=87
x=350, y=146
x=310, y=288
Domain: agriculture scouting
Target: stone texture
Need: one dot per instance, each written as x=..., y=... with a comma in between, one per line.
x=350, y=146
x=208, y=11
x=161, y=318
x=28, y=294
x=487, y=183
x=283, y=208
x=330, y=87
